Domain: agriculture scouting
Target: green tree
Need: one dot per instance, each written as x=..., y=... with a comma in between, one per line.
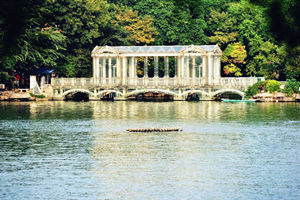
x=264, y=56
x=271, y=59
x=84, y=23
x=224, y=31
x=273, y=86
x=140, y=29
x=291, y=87
x=292, y=68
x=38, y=44
x=176, y=23
x=233, y=57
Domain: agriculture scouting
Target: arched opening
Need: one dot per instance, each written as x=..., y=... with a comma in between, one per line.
x=77, y=96
x=227, y=95
x=194, y=97
x=108, y=96
x=151, y=96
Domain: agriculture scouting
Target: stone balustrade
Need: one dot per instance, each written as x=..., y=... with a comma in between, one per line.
x=154, y=82
x=239, y=81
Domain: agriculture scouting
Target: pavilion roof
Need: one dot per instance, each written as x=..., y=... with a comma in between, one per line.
x=155, y=49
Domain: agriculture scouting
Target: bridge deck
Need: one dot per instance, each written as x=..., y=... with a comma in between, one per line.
x=177, y=87
x=152, y=82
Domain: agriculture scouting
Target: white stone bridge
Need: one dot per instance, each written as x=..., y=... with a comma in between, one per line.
x=178, y=71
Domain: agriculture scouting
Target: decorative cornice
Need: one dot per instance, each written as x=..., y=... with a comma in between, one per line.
x=217, y=51
x=104, y=49
x=193, y=49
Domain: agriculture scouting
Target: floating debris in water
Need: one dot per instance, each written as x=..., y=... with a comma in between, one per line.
x=153, y=129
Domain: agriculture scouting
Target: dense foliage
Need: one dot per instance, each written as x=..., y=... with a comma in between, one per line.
x=60, y=34
x=291, y=87
x=255, y=89
x=273, y=86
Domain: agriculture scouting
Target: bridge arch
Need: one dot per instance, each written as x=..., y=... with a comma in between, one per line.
x=78, y=90
x=108, y=92
x=193, y=92
x=136, y=92
x=235, y=91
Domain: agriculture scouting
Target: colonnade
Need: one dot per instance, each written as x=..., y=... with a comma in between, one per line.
x=110, y=69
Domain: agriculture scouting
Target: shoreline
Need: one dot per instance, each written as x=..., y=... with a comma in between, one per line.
x=46, y=99
x=20, y=96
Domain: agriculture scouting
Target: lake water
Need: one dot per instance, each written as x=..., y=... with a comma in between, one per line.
x=70, y=150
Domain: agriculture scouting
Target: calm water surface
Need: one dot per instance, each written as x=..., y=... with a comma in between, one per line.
x=68, y=150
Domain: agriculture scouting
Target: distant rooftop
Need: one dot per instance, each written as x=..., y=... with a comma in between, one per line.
x=43, y=70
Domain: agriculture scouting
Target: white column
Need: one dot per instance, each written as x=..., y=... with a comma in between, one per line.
x=155, y=78
x=166, y=62
x=146, y=67
x=178, y=73
x=145, y=71
x=182, y=71
x=218, y=68
x=135, y=70
x=194, y=69
x=210, y=69
x=119, y=78
x=214, y=70
x=32, y=82
x=200, y=67
x=94, y=66
x=131, y=71
x=104, y=70
x=204, y=68
x=109, y=71
x=100, y=71
x=97, y=70
x=166, y=70
x=176, y=66
x=94, y=69
x=156, y=66
x=124, y=70
x=188, y=67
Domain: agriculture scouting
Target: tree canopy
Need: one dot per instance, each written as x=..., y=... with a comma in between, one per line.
x=258, y=38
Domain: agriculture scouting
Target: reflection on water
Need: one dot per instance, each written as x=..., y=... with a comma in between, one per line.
x=68, y=150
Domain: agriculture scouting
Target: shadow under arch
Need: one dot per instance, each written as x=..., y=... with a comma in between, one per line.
x=108, y=92
x=77, y=90
x=223, y=91
x=151, y=95
x=77, y=95
x=108, y=95
x=194, y=95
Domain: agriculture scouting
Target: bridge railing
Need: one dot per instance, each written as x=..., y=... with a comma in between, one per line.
x=165, y=81
x=108, y=82
x=153, y=82
x=239, y=81
x=72, y=82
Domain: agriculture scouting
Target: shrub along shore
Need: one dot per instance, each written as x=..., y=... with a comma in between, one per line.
x=274, y=91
